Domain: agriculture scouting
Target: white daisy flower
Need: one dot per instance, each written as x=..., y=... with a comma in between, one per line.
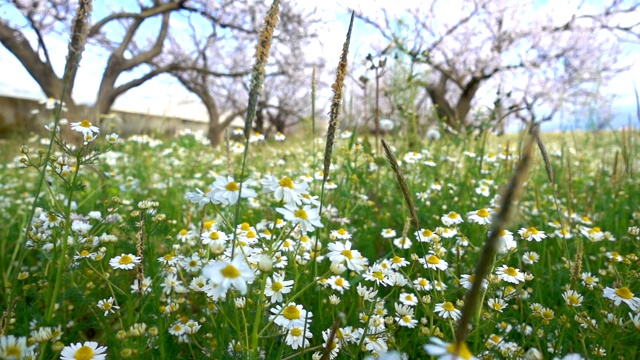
x=125, y=261
x=87, y=351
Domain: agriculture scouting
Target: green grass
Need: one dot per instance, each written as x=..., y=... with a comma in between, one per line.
x=588, y=184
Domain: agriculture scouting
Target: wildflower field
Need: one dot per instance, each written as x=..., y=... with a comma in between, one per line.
x=318, y=246
x=149, y=248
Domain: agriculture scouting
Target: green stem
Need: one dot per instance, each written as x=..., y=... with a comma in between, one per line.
x=64, y=241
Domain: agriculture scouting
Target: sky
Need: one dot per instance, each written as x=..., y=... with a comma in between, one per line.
x=164, y=96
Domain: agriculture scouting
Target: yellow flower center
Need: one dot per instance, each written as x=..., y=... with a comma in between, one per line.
x=347, y=254
x=342, y=231
x=378, y=275
x=453, y=215
x=532, y=231
x=511, y=271
x=296, y=331
x=448, y=306
x=86, y=124
x=85, y=352
x=232, y=186
x=125, y=260
x=168, y=257
x=483, y=213
x=340, y=281
x=497, y=306
x=251, y=234
x=624, y=293
x=183, y=232
x=106, y=306
x=300, y=213
x=547, y=314
x=397, y=259
x=14, y=352
x=84, y=253
x=230, y=271
x=433, y=260
x=427, y=233
x=406, y=318
x=495, y=338
x=208, y=224
x=291, y=312
x=286, y=182
x=461, y=349
x=276, y=286
x=214, y=235
x=245, y=226
x=573, y=300
x=424, y=282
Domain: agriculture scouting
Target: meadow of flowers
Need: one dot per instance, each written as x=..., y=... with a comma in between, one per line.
x=160, y=248
x=277, y=249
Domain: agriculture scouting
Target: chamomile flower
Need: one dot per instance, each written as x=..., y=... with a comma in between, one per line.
x=213, y=236
x=622, y=295
x=426, y=235
x=388, y=233
x=532, y=233
x=12, y=347
x=402, y=243
x=297, y=337
x=452, y=218
x=277, y=286
x=113, y=138
x=341, y=252
x=85, y=128
x=285, y=189
x=338, y=283
x=379, y=275
x=481, y=217
x=422, y=284
x=510, y=274
x=125, y=261
x=433, y=262
x=467, y=280
x=340, y=234
x=530, y=257
x=408, y=299
x=290, y=315
x=506, y=242
x=405, y=316
x=90, y=350
x=398, y=262
x=307, y=217
x=447, y=310
x=572, y=298
x=589, y=280
x=236, y=273
x=497, y=304
x=227, y=191
x=445, y=351
x=108, y=306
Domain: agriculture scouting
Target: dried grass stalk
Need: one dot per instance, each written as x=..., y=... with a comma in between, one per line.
x=500, y=222
x=334, y=112
x=404, y=187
